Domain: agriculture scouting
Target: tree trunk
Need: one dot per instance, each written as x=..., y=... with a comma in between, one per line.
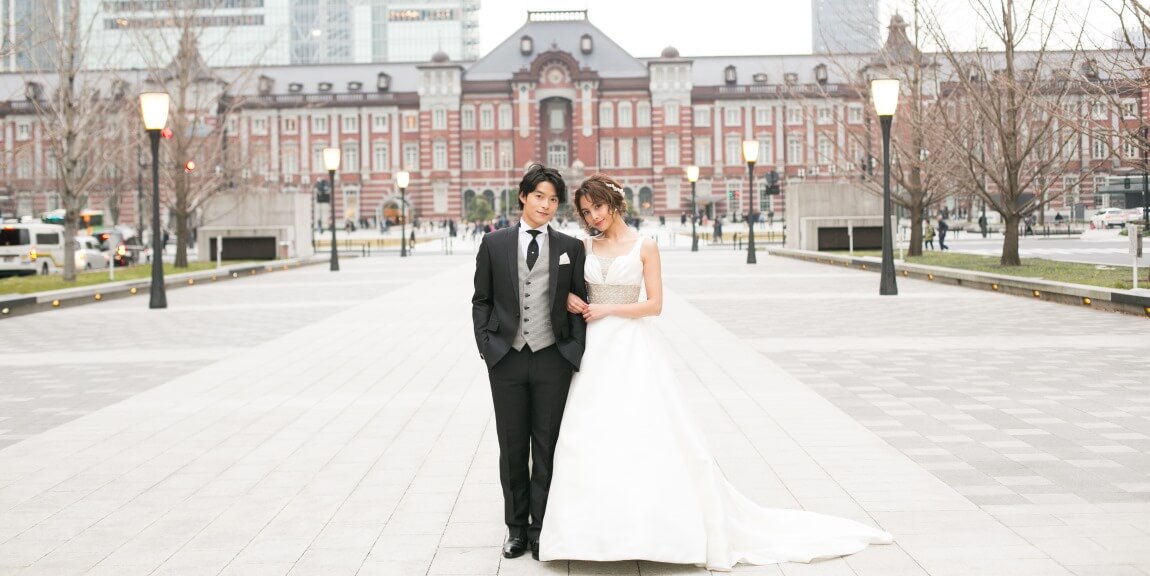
x=915, y=227
x=71, y=215
x=1010, y=241
x=181, y=241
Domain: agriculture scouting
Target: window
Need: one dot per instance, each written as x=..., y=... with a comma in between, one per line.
x=1098, y=148
x=23, y=130
x=505, y=117
x=606, y=115
x=673, y=197
x=54, y=169
x=350, y=123
x=766, y=154
x=469, y=156
x=289, y=160
x=671, y=114
x=732, y=117
x=625, y=118
x=762, y=115
x=1071, y=190
x=626, y=152
x=410, y=121
x=671, y=150
x=317, y=156
x=794, y=115
x=379, y=159
x=1129, y=108
x=290, y=125
x=379, y=123
x=259, y=126
x=24, y=166
x=557, y=119
x=607, y=153
x=702, y=116
x=557, y=154
x=1070, y=109
x=1130, y=149
x=733, y=189
x=734, y=149
x=467, y=118
x=1098, y=109
x=1070, y=145
x=794, y=150
x=703, y=151
x=644, y=153
x=439, y=155
x=439, y=119
x=319, y=126
x=505, y=156
x=854, y=114
x=826, y=151
x=824, y=116
x=439, y=193
x=644, y=113
x=486, y=117
x=233, y=125
x=411, y=156
x=487, y=156
x=350, y=157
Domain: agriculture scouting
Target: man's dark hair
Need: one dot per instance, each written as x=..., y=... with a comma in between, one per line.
x=537, y=173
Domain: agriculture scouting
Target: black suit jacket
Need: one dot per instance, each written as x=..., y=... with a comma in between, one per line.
x=495, y=304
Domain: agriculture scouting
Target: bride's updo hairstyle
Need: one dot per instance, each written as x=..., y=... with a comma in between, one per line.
x=600, y=189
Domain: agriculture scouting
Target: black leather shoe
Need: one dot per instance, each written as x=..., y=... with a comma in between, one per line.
x=515, y=546
x=535, y=549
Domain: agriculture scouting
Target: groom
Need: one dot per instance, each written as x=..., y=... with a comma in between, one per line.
x=531, y=344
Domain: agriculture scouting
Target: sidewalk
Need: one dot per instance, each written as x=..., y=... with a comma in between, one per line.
x=340, y=423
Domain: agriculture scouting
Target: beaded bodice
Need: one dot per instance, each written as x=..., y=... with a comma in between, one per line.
x=614, y=279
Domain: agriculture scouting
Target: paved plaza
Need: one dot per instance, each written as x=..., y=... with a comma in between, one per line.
x=309, y=422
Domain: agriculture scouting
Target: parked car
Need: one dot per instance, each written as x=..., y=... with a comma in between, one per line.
x=1109, y=218
x=124, y=246
x=1133, y=215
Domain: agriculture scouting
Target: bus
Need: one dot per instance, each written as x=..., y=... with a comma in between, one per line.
x=91, y=221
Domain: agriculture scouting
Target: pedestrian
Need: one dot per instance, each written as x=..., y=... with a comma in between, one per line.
x=682, y=218
x=928, y=236
x=411, y=242
x=982, y=226
x=718, y=230
x=942, y=228
x=1029, y=223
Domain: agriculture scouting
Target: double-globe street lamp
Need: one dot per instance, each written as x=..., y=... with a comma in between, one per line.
x=750, y=154
x=884, y=94
x=692, y=177
x=331, y=162
x=402, y=179
x=154, y=110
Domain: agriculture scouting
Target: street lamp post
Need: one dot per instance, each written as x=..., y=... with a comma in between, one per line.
x=331, y=162
x=402, y=178
x=750, y=154
x=692, y=177
x=1145, y=167
x=154, y=110
x=884, y=93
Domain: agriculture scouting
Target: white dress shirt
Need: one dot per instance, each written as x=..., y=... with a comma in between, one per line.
x=525, y=238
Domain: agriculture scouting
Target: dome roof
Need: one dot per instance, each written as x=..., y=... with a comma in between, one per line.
x=670, y=52
x=440, y=57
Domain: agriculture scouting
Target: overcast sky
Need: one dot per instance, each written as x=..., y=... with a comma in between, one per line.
x=737, y=27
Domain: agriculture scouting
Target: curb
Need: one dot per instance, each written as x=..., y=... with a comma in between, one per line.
x=12, y=305
x=1096, y=297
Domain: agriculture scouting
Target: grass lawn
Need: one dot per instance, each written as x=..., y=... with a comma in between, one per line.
x=31, y=284
x=1106, y=276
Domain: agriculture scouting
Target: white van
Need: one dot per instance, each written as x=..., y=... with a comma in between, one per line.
x=27, y=249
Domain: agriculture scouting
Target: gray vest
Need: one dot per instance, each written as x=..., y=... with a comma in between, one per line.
x=534, y=301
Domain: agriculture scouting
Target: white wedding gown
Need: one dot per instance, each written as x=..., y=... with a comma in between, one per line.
x=634, y=478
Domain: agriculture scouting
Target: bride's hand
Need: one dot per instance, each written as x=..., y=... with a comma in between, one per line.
x=595, y=312
x=575, y=304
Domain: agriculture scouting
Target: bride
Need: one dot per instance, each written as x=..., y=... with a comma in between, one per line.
x=634, y=478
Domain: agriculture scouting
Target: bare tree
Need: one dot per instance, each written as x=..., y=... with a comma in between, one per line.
x=76, y=118
x=1008, y=118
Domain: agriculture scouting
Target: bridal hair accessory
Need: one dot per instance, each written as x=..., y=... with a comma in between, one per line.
x=614, y=187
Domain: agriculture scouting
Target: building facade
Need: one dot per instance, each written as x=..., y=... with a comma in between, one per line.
x=844, y=26
x=556, y=91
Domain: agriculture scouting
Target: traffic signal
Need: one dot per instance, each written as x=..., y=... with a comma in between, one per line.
x=321, y=192
x=772, y=183
x=189, y=166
